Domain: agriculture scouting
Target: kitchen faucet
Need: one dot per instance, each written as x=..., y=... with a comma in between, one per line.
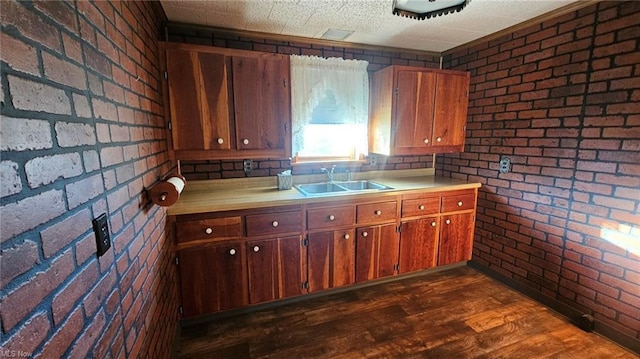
x=329, y=173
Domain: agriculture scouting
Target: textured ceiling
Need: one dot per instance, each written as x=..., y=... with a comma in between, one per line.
x=371, y=20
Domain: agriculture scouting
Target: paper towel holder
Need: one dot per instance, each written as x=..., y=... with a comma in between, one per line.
x=167, y=192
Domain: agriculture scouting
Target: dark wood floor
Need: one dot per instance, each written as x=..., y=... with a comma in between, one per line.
x=459, y=313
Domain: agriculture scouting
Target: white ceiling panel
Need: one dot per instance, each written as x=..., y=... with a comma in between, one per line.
x=372, y=20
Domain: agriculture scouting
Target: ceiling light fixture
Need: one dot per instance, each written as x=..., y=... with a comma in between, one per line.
x=425, y=9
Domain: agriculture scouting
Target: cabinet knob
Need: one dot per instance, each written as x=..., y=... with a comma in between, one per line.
x=426, y=140
x=448, y=221
x=209, y=230
x=459, y=203
x=220, y=140
x=232, y=251
x=245, y=141
x=421, y=207
x=439, y=139
x=346, y=236
x=433, y=224
x=275, y=223
x=378, y=212
x=332, y=217
x=364, y=234
x=256, y=248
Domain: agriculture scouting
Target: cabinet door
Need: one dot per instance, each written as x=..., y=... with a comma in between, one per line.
x=450, y=117
x=213, y=278
x=456, y=238
x=376, y=252
x=275, y=268
x=414, y=111
x=199, y=100
x=418, y=244
x=331, y=259
x=261, y=102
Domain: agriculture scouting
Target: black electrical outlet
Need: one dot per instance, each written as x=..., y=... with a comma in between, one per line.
x=103, y=238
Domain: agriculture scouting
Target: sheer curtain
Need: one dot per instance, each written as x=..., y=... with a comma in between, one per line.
x=312, y=77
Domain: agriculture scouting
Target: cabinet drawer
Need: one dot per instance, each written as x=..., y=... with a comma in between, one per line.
x=376, y=212
x=272, y=223
x=215, y=228
x=330, y=217
x=420, y=206
x=458, y=202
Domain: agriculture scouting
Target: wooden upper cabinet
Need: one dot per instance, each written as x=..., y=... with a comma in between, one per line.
x=227, y=103
x=261, y=101
x=417, y=111
x=450, y=114
x=414, y=109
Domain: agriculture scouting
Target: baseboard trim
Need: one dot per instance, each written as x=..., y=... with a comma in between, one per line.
x=187, y=322
x=571, y=313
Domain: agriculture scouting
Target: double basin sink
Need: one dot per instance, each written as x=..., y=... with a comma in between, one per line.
x=315, y=189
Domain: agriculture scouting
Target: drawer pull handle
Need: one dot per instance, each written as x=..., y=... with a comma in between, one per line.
x=209, y=230
x=256, y=249
x=275, y=223
x=448, y=221
x=421, y=207
x=364, y=234
x=439, y=139
x=245, y=141
x=220, y=140
x=433, y=224
x=378, y=212
x=459, y=203
x=332, y=217
x=426, y=140
x=346, y=236
x=232, y=251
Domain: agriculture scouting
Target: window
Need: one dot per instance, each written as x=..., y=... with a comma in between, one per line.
x=330, y=106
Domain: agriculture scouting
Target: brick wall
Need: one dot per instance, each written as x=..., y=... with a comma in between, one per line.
x=377, y=59
x=562, y=100
x=82, y=134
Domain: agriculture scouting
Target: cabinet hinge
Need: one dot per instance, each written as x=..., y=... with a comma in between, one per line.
x=177, y=261
x=169, y=127
x=399, y=228
x=286, y=128
x=181, y=310
x=284, y=83
x=305, y=242
x=166, y=75
x=396, y=91
x=305, y=285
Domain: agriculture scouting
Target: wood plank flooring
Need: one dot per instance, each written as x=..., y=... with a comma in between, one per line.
x=458, y=313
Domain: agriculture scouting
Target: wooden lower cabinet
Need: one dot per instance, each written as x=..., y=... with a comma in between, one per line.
x=213, y=278
x=456, y=238
x=238, y=258
x=331, y=259
x=376, y=251
x=275, y=268
x=418, y=244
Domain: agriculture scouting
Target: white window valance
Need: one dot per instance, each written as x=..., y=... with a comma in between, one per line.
x=313, y=77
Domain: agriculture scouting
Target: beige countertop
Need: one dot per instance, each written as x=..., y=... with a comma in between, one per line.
x=243, y=193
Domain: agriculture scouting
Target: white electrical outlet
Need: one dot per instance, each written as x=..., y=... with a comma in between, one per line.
x=505, y=164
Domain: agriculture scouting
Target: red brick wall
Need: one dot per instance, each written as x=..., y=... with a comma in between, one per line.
x=82, y=134
x=377, y=59
x=562, y=100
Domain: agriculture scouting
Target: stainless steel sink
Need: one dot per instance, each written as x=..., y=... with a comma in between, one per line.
x=319, y=188
x=362, y=185
x=315, y=189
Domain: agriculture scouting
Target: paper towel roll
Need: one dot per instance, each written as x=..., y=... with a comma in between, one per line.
x=167, y=192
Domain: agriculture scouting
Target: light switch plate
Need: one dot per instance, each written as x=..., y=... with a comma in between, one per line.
x=103, y=237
